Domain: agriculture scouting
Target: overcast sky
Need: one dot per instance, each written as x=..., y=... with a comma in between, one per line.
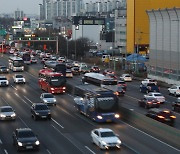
x=28, y=6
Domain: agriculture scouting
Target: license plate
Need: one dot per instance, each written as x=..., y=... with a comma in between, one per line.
x=43, y=116
x=109, y=120
x=29, y=147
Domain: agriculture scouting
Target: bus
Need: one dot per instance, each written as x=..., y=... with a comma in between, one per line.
x=26, y=56
x=16, y=64
x=99, y=104
x=52, y=82
x=56, y=66
x=98, y=79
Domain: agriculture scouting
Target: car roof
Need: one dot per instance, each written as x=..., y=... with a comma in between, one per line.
x=2, y=76
x=159, y=110
x=154, y=93
x=104, y=130
x=3, y=107
x=23, y=129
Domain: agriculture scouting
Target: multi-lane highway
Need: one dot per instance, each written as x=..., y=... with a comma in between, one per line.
x=68, y=131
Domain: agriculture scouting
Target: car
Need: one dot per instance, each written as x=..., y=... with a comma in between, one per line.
x=42, y=55
x=25, y=139
x=108, y=71
x=176, y=105
x=69, y=73
x=48, y=99
x=19, y=78
x=174, y=90
x=33, y=60
x=111, y=75
x=75, y=70
x=53, y=58
x=162, y=115
x=105, y=138
x=148, y=80
x=47, y=55
x=4, y=69
x=75, y=63
x=3, y=81
x=148, y=87
x=122, y=84
x=95, y=69
x=119, y=91
x=82, y=65
x=40, y=111
x=147, y=103
x=61, y=59
x=157, y=96
x=7, y=113
x=43, y=60
x=126, y=77
x=11, y=51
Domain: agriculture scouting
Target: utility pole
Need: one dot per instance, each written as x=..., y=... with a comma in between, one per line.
x=57, y=45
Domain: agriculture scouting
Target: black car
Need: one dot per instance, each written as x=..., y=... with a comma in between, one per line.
x=95, y=69
x=75, y=70
x=176, y=105
x=4, y=69
x=162, y=115
x=148, y=87
x=148, y=103
x=25, y=139
x=40, y=111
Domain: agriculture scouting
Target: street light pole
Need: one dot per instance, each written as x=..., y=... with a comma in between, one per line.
x=67, y=46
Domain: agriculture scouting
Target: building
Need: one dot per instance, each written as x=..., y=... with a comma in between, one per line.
x=138, y=23
x=18, y=14
x=164, y=63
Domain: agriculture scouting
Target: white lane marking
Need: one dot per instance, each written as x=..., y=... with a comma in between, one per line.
x=67, y=138
x=23, y=122
x=48, y=151
x=28, y=99
x=22, y=99
x=31, y=75
x=5, y=151
x=132, y=97
x=14, y=87
x=57, y=123
x=1, y=141
x=90, y=149
x=151, y=136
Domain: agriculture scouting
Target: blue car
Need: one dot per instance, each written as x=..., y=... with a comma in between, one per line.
x=148, y=87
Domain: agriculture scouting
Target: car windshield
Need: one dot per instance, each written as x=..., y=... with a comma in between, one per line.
x=107, y=134
x=3, y=78
x=18, y=63
x=6, y=109
x=48, y=96
x=26, y=134
x=157, y=95
x=150, y=84
x=57, y=81
x=19, y=76
x=41, y=107
x=3, y=67
x=150, y=99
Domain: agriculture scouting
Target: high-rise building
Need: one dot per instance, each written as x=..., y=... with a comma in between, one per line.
x=18, y=14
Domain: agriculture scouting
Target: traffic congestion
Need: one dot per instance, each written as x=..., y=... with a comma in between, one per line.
x=36, y=99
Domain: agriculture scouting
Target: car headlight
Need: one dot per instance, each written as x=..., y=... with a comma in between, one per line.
x=118, y=141
x=20, y=144
x=7, y=82
x=99, y=117
x=13, y=115
x=45, y=100
x=36, y=113
x=54, y=100
x=104, y=143
x=37, y=142
x=52, y=88
x=116, y=115
x=2, y=116
x=24, y=80
x=49, y=112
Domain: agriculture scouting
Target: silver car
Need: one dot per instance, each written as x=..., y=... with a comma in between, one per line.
x=48, y=98
x=7, y=113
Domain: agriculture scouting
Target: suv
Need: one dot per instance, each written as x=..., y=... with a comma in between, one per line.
x=162, y=115
x=3, y=81
x=148, y=87
x=40, y=111
x=25, y=139
x=176, y=105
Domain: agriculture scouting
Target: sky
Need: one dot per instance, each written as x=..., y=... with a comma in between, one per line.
x=28, y=6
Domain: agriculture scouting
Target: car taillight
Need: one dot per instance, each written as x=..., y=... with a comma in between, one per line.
x=161, y=117
x=158, y=103
x=116, y=93
x=149, y=102
x=174, y=117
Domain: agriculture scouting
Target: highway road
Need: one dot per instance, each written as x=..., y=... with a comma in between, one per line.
x=68, y=131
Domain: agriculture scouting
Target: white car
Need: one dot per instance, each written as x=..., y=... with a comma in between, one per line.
x=82, y=65
x=19, y=78
x=147, y=80
x=69, y=73
x=105, y=138
x=174, y=90
x=7, y=113
x=4, y=81
x=126, y=77
x=157, y=96
x=61, y=59
x=48, y=99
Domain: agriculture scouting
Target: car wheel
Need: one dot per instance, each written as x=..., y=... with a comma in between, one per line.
x=92, y=141
x=175, y=94
x=17, y=148
x=35, y=118
x=101, y=146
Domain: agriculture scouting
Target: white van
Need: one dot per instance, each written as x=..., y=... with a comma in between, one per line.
x=105, y=57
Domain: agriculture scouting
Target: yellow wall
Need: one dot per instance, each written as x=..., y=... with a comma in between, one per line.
x=138, y=22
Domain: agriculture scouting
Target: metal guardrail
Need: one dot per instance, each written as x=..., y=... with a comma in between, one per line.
x=21, y=39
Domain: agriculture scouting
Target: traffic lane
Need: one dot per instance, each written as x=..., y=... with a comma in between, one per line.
x=47, y=134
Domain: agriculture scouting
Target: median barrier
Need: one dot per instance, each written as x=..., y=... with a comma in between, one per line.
x=157, y=129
